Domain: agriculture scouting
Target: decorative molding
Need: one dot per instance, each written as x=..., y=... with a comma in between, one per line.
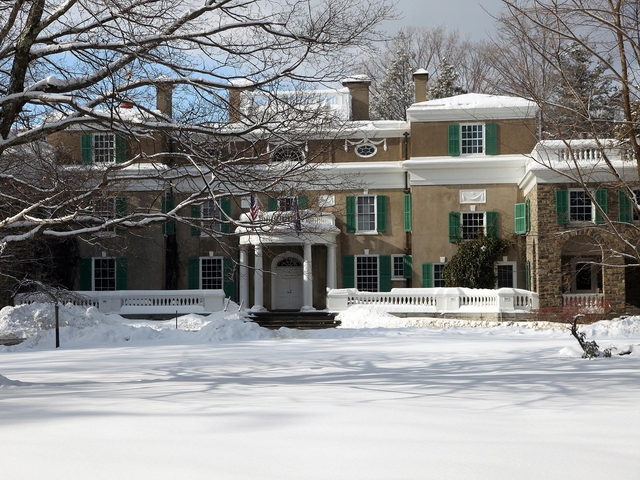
x=473, y=196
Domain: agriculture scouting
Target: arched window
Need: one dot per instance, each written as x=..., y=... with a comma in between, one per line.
x=287, y=153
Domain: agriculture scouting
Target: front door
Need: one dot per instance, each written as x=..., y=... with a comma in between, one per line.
x=287, y=283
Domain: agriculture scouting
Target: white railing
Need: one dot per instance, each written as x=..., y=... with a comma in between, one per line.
x=437, y=300
x=143, y=302
x=590, y=302
x=587, y=151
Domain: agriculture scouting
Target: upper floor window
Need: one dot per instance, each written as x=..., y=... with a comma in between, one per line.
x=473, y=139
x=580, y=207
x=366, y=150
x=287, y=153
x=103, y=148
x=366, y=214
x=214, y=215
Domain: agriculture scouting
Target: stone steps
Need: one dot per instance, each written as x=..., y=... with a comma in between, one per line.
x=298, y=320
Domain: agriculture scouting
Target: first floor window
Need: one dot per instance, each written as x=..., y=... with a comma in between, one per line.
x=438, y=275
x=367, y=273
x=211, y=273
x=505, y=273
x=398, y=267
x=104, y=274
x=472, y=224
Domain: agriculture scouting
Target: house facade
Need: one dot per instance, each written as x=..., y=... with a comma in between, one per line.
x=456, y=167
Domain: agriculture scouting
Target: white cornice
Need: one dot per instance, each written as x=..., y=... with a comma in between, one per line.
x=465, y=171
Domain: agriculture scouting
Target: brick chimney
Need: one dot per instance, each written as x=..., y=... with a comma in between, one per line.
x=164, y=99
x=236, y=88
x=358, y=86
x=420, y=79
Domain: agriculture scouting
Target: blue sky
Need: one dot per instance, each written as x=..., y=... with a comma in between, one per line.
x=467, y=16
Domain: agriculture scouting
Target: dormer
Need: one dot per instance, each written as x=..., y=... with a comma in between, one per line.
x=472, y=125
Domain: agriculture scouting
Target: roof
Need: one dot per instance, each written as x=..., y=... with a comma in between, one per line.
x=472, y=106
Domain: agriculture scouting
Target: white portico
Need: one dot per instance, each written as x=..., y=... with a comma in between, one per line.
x=283, y=259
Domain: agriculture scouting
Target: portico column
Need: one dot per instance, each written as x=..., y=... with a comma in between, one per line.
x=258, y=284
x=307, y=283
x=331, y=266
x=244, y=276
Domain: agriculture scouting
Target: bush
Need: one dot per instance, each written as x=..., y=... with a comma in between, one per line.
x=473, y=264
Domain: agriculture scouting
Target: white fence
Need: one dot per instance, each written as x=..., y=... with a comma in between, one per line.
x=150, y=301
x=590, y=302
x=437, y=300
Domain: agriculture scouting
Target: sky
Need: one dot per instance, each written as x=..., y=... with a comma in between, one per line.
x=469, y=16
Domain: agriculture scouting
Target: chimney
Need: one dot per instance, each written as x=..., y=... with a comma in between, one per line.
x=236, y=88
x=358, y=86
x=420, y=78
x=164, y=99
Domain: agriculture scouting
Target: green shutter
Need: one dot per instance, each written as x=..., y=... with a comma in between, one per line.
x=272, y=204
x=601, y=200
x=225, y=206
x=562, y=207
x=121, y=148
x=427, y=275
x=528, y=203
x=196, y=212
x=351, y=214
x=381, y=213
x=520, y=218
x=303, y=202
x=625, y=211
x=407, y=269
x=384, y=263
x=121, y=211
x=454, y=227
x=454, y=140
x=229, y=281
x=527, y=276
x=86, y=274
x=348, y=271
x=407, y=212
x=86, y=148
x=491, y=138
x=121, y=273
x=169, y=227
x=194, y=273
x=492, y=224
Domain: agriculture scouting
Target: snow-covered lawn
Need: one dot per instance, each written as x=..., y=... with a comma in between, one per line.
x=230, y=400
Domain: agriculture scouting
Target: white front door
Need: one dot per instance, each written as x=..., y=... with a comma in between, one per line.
x=287, y=284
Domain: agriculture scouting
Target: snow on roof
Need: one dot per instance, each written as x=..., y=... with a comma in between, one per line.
x=472, y=106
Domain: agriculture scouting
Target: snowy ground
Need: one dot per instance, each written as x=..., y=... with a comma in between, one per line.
x=220, y=398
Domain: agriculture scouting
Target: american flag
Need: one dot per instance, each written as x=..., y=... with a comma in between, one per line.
x=254, y=209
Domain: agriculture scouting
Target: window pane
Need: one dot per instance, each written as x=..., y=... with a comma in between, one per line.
x=505, y=276
x=438, y=277
x=471, y=138
x=367, y=274
x=579, y=206
x=398, y=266
x=211, y=273
x=104, y=147
x=104, y=274
x=472, y=224
x=366, y=210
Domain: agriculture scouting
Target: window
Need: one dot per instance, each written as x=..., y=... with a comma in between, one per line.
x=104, y=208
x=366, y=214
x=104, y=274
x=506, y=275
x=580, y=207
x=438, y=275
x=586, y=275
x=211, y=273
x=286, y=204
x=367, y=273
x=467, y=225
x=471, y=139
x=287, y=153
x=398, y=267
x=103, y=148
x=366, y=150
x=212, y=216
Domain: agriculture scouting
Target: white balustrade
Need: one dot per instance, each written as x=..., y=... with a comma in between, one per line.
x=437, y=300
x=589, y=302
